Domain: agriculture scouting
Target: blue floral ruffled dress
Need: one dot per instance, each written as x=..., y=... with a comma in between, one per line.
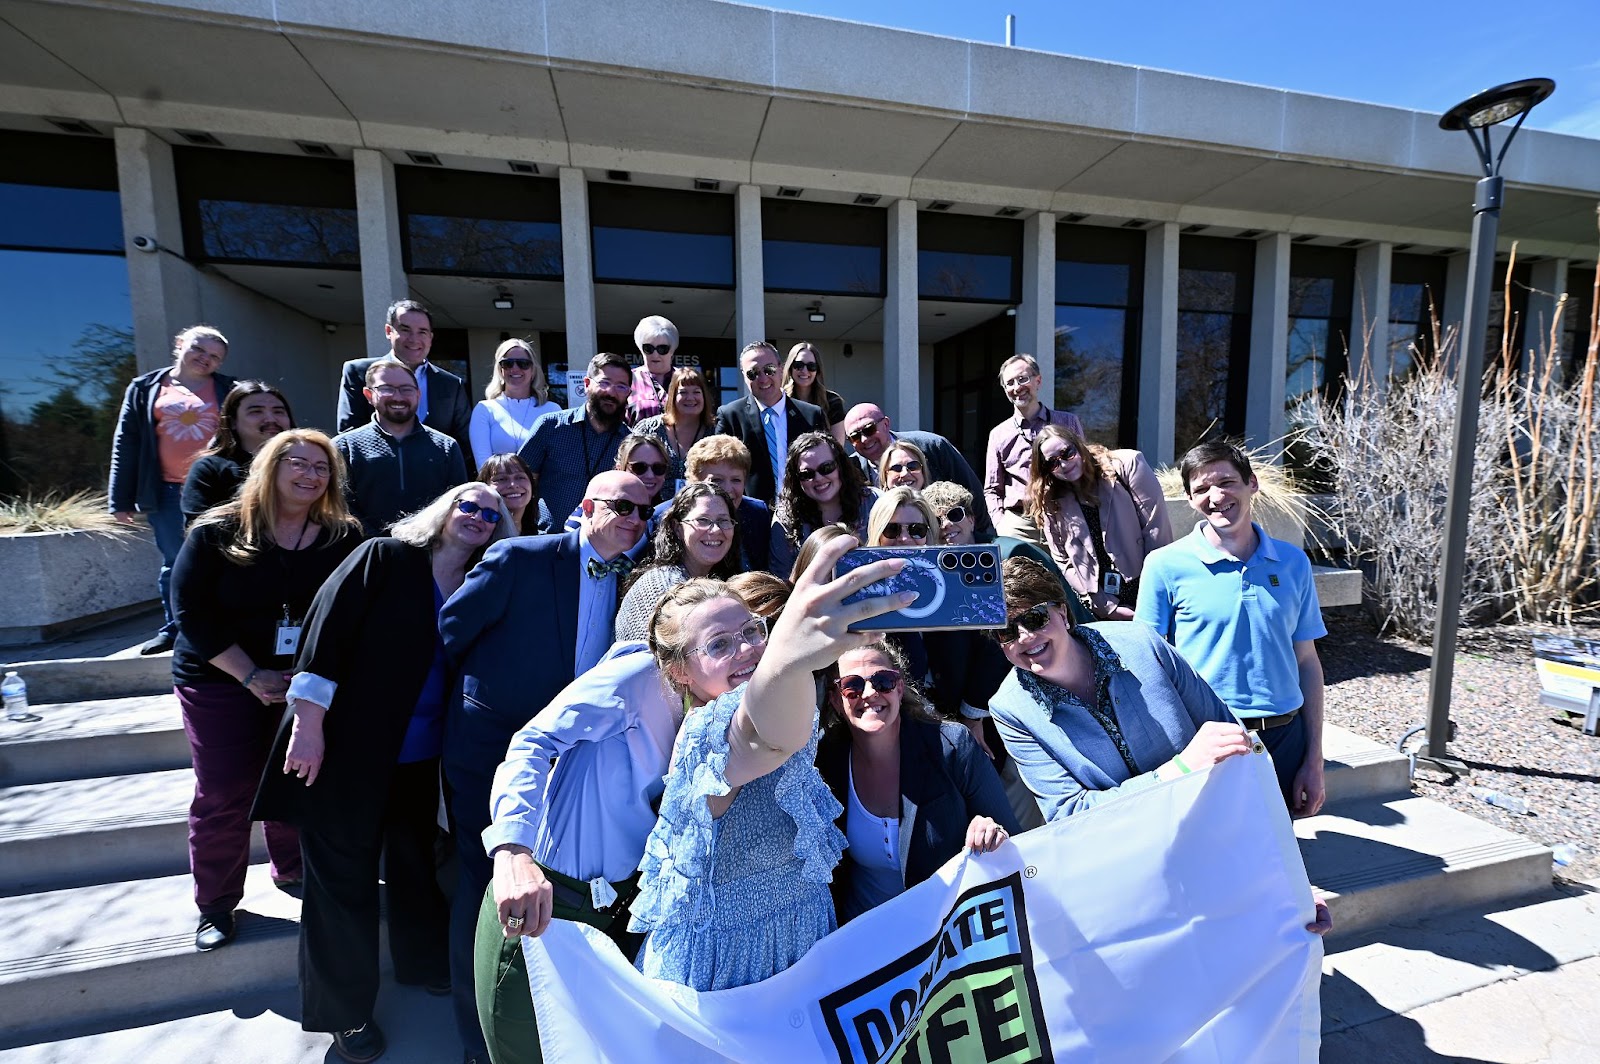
x=733, y=900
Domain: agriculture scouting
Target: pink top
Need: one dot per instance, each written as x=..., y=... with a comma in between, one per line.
x=185, y=422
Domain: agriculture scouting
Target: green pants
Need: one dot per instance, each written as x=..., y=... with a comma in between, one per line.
x=500, y=975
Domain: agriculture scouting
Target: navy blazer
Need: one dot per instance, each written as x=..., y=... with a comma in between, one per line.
x=449, y=408
x=511, y=634
x=741, y=419
x=945, y=781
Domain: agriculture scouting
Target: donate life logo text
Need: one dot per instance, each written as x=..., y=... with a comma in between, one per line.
x=966, y=996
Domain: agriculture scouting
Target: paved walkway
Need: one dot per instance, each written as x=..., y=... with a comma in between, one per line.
x=118, y=639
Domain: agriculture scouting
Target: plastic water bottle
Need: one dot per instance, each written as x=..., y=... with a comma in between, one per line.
x=14, y=689
x=1565, y=854
x=1509, y=802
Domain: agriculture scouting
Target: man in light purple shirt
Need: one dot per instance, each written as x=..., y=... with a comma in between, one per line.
x=1009, y=454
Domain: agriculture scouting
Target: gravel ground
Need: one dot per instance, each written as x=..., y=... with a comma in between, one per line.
x=1378, y=687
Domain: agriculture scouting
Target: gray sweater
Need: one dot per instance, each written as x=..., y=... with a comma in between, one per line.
x=389, y=477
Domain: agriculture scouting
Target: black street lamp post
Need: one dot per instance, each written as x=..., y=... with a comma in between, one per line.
x=1477, y=116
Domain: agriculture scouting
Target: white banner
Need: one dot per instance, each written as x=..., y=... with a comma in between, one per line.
x=1168, y=925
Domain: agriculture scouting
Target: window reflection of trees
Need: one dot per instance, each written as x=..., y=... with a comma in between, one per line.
x=63, y=442
x=1089, y=357
x=953, y=275
x=1207, y=330
x=485, y=246
x=273, y=232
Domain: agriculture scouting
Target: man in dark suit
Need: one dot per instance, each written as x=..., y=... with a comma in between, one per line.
x=443, y=404
x=870, y=433
x=766, y=421
x=534, y=614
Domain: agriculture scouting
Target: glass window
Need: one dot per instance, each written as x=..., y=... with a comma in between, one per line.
x=1215, y=279
x=661, y=236
x=59, y=193
x=271, y=209
x=825, y=248
x=1321, y=287
x=1099, y=289
x=1416, y=305
x=484, y=225
x=1577, y=319
x=960, y=257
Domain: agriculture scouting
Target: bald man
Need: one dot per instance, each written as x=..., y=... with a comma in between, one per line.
x=870, y=433
x=533, y=615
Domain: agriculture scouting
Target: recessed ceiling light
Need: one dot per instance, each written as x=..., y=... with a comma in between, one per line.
x=1303, y=238
x=1008, y=212
x=195, y=136
x=867, y=199
x=706, y=184
x=424, y=158
x=503, y=301
x=618, y=175
x=1249, y=234
x=940, y=205
x=72, y=125
x=1195, y=228
x=1074, y=217
x=1135, y=223
x=790, y=192
x=521, y=168
x=1357, y=242
x=312, y=147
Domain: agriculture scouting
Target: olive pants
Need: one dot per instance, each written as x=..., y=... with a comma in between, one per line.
x=500, y=974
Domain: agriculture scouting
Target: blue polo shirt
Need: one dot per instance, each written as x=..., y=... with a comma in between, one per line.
x=1235, y=621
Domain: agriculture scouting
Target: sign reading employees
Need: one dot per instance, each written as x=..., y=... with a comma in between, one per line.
x=967, y=995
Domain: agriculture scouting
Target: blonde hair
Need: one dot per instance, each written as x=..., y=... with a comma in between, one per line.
x=181, y=342
x=909, y=448
x=883, y=512
x=538, y=386
x=423, y=528
x=714, y=450
x=257, y=504
x=764, y=593
x=668, y=640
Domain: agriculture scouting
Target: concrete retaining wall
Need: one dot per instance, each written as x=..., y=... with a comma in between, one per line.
x=54, y=583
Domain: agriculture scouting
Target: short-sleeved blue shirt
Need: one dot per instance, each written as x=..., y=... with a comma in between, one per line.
x=1235, y=621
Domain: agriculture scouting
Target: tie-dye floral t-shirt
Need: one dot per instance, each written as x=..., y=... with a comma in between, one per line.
x=186, y=420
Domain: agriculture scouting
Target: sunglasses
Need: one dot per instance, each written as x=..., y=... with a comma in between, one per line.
x=862, y=433
x=914, y=529
x=761, y=371
x=853, y=687
x=1032, y=619
x=803, y=367
x=472, y=509
x=1061, y=458
x=516, y=363
x=826, y=469
x=623, y=507
x=724, y=646
x=913, y=466
x=639, y=469
x=955, y=515
x=656, y=349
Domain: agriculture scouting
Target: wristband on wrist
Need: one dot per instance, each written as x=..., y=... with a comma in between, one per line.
x=246, y=681
x=1184, y=769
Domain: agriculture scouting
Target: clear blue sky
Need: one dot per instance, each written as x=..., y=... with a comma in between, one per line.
x=1426, y=56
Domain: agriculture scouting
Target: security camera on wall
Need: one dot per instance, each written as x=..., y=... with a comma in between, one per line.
x=146, y=243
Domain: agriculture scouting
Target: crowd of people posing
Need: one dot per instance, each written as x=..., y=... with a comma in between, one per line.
x=622, y=656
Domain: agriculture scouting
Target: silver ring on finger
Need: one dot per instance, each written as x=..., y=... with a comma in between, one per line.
x=514, y=923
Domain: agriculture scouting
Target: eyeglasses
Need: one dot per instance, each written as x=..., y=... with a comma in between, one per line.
x=656, y=349
x=914, y=529
x=853, y=687
x=724, y=646
x=955, y=515
x=709, y=524
x=639, y=469
x=826, y=469
x=803, y=367
x=302, y=466
x=1017, y=382
x=761, y=371
x=516, y=363
x=911, y=466
x=1062, y=457
x=862, y=433
x=605, y=384
x=395, y=389
x=623, y=507
x=1031, y=619
x=472, y=509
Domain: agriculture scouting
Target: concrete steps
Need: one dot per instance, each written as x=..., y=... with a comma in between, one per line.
x=77, y=740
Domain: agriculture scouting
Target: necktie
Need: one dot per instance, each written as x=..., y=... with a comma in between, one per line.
x=622, y=565
x=769, y=418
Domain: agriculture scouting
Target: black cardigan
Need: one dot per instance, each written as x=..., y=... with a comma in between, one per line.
x=372, y=631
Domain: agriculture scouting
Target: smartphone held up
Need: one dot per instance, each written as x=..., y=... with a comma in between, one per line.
x=957, y=588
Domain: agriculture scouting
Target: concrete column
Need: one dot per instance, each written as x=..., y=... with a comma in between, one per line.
x=750, y=306
x=1369, y=318
x=901, y=398
x=383, y=268
x=1158, y=344
x=577, y=269
x=161, y=285
x=1264, y=419
x=1548, y=281
x=1036, y=314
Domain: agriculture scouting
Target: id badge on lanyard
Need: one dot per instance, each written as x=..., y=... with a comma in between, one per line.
x=286, y=643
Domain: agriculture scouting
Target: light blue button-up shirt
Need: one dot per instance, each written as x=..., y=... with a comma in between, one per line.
x=597, y=608
x=580, y=782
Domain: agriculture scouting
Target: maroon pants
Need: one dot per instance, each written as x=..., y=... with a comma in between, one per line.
x=230, y=733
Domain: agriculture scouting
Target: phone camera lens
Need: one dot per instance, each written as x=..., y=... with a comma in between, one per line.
x=986, y=558
x=948, y=561
x=969, y=578
x=988, y=577
x=968, y=559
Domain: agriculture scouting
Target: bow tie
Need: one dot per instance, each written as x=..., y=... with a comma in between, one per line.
x=622, y=565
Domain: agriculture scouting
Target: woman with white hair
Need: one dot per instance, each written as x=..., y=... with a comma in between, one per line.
x=657, y=340
x=516, y=397
x=360, y=762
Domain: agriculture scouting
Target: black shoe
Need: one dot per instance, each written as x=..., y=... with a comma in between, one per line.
x=360, y=1045
x=215, y=930
x=159, y=643
x=437, y=987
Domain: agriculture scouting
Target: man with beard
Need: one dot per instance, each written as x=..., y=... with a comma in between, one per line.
x=569, y=448
x=397, y=464
x=442, y=401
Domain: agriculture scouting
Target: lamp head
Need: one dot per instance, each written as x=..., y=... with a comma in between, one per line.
x=1493, y=106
